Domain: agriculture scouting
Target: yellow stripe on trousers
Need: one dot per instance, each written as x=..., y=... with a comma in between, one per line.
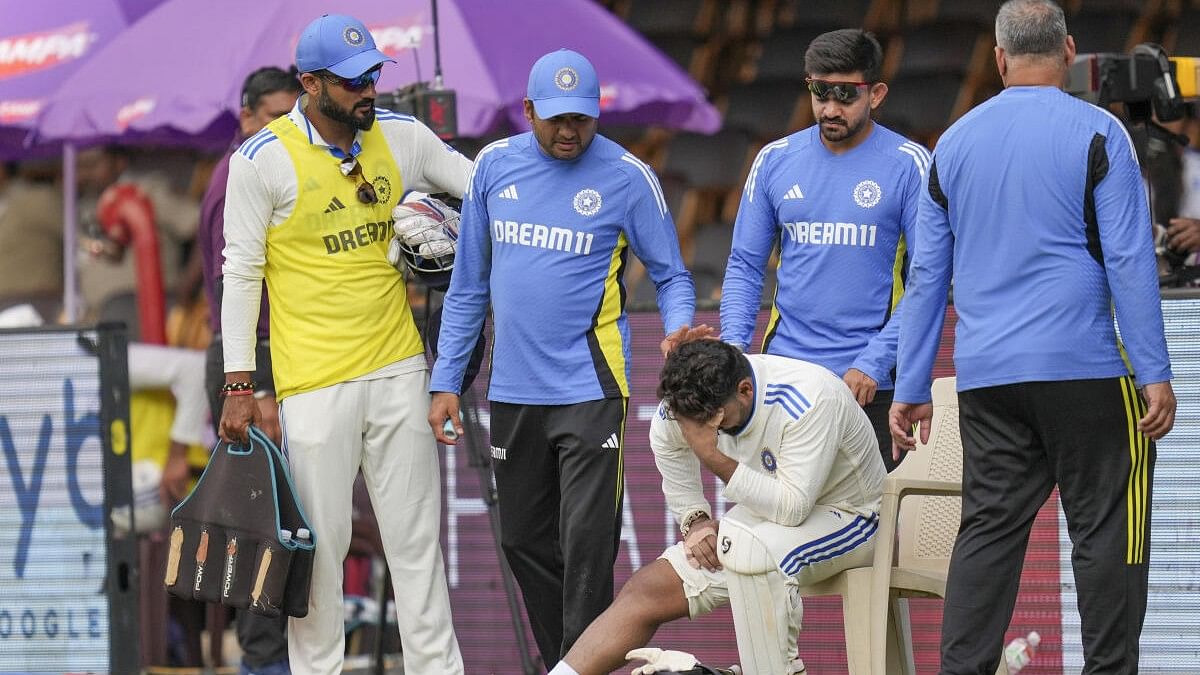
x=1138, y=482
x=621, y=458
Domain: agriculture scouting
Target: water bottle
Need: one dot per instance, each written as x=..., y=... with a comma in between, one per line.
x=1020, y=651
x=303, y=536
x=285, y=536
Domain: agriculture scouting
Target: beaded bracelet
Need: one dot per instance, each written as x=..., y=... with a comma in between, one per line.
x=238, y=386
x=690, y=519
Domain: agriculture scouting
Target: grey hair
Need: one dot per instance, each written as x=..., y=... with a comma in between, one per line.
x=1031, y=28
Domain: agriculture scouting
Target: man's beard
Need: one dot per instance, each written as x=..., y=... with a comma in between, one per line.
x=843, y=133
x=331, y=110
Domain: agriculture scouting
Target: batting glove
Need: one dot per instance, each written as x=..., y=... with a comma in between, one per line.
x=660, y=660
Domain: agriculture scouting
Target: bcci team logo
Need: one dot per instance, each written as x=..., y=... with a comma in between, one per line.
x=867, y=194
x=383, y=188
x=566, y=79
x=353, y=36
x=587, y=202
x=768, y=460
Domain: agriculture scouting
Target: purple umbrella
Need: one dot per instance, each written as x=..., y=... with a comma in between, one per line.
x=41, y=44
x=175, y=76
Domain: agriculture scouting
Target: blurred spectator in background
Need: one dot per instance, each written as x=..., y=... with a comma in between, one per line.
x=167, y=414
x=841, y=199
x=1172, y=174
x=31, y=235
x=267, y=93
x=107, y=276
x=1181, y=240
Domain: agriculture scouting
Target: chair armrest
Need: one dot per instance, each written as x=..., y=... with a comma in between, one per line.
x=893, y=485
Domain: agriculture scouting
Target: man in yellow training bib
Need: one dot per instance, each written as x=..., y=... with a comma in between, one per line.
x=309, y=208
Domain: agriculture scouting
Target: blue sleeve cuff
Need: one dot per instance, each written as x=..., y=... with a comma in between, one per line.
x=1161, y=375
x=443, y=379
x=914, y=394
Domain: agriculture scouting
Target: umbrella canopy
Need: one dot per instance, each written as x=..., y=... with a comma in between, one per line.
x=176, y=75
x=41, y=44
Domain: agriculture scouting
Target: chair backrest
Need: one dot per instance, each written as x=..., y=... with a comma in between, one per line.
x=716, y=162
x=928, y=526
x=767, y=108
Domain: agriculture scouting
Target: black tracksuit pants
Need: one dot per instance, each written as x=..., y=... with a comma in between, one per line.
x=559, y=476
x=877, y=411
x=1019, y=441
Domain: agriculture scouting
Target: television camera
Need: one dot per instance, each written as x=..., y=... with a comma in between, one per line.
x=1154, y=89
x=435, y=106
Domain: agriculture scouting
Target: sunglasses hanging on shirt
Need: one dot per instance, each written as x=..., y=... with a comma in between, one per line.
x=353, y=170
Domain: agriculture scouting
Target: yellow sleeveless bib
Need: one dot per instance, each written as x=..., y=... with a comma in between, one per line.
x=339, y=310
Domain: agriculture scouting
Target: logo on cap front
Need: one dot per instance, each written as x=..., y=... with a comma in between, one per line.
x=353, y=36
x=566, y=79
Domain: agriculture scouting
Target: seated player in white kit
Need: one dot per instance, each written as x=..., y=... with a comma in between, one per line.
x=798, y=456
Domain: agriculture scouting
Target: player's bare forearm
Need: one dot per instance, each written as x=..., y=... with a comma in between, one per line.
x=720, y=464
x=701, y=437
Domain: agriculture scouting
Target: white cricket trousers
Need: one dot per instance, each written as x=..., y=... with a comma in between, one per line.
x=378, y=424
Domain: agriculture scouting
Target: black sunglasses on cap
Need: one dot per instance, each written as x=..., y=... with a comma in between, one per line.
x=842, y=92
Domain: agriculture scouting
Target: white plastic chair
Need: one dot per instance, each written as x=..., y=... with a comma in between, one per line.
x=920, y=515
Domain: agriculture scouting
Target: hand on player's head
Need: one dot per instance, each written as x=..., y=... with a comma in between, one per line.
x=687, y=334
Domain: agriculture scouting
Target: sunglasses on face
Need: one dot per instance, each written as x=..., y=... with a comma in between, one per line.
x=353, y=170
x=842, y=92
x=356, y=84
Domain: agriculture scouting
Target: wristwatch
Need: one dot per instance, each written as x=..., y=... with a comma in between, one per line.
x=690, y=519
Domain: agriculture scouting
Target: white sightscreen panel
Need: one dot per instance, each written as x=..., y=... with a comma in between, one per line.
x=1171, y=635
x=53, y=608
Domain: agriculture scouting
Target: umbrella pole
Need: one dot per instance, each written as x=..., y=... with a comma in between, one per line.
x=437, y=49
x=70, y=231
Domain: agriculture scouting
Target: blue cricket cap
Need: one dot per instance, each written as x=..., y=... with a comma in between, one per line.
x=564, y=82
x=340, y=44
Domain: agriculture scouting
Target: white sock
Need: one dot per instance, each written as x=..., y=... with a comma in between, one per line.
x=563, y=669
